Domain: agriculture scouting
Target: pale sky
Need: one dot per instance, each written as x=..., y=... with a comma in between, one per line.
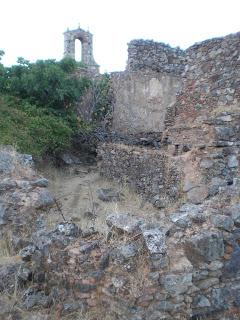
x=33, y=29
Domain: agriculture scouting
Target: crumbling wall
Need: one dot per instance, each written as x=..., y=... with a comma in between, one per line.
x=149, y=172
x=164, y=85
x=210, y=92
x=201, y=142
x=141, y=99
x=184, y=265
x=147, y=88
x=155, y=56
x=205, y=115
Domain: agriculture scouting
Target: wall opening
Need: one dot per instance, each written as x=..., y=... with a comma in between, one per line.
x=78, y=50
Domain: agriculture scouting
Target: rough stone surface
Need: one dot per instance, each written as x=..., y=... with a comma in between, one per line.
x=124, y=222
x=177, y=284
x=7, y=277
x=154, y=239
x=194, y=181
x=235, y=213
x=73, y=307
x=149, y=172
x=3, y=214
x=147, y=54
x=201, y=301
x=9, y=158
x=222, y=222
x=27, y=252
x=197, y=195
x=125, y=252
x=187, y=216
x=68, y=229
x=34, y=298
x=206, y=86
x=207, y=246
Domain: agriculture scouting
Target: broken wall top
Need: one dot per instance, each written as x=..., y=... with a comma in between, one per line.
x=159, y=57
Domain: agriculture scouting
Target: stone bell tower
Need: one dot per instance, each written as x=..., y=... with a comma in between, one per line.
x=86, y=39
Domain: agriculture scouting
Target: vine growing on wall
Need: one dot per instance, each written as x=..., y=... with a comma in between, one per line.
x=101, y=99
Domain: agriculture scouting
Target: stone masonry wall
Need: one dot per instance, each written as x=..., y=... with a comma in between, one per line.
x=147, y=88
x=201, y=143
x=205, y=75
x=149, y=172
x=197, y=272
x=141, y=99
x=182, y=263
x=86, y=39
x=158, y=57
x=211, y=88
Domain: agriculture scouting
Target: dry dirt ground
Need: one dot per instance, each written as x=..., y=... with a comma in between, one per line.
x=76, y=190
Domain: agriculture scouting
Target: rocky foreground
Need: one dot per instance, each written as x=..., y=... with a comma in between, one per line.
x=173, y=267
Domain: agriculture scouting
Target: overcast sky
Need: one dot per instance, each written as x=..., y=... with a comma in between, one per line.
x=33, y=29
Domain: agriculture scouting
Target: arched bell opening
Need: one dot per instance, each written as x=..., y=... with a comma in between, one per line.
x=78, y=50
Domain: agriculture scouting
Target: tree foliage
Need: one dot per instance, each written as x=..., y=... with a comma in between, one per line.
x=32, y=129
x=37, y=104
x=48, y=83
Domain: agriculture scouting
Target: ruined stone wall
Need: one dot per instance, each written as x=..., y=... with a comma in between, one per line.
x=147, y=88
x=149, y=172
x=211, y=89
x=155, y=56
x=141, y=99
x=201, y=142
x=194, y=272
x=203, y=77
x=182, y=263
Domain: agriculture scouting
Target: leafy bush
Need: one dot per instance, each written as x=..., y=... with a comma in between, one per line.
x=37, y=104
x=32, y=129
x=48, y=83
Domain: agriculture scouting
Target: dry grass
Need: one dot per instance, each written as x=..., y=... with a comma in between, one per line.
x=6, y=252
x=5, y=248
x=78, y=195
x=9, y=260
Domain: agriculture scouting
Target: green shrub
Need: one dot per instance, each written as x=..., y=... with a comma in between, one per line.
x=48, y=83
x=37, y=104
x=101, y=98
x=32, y=129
